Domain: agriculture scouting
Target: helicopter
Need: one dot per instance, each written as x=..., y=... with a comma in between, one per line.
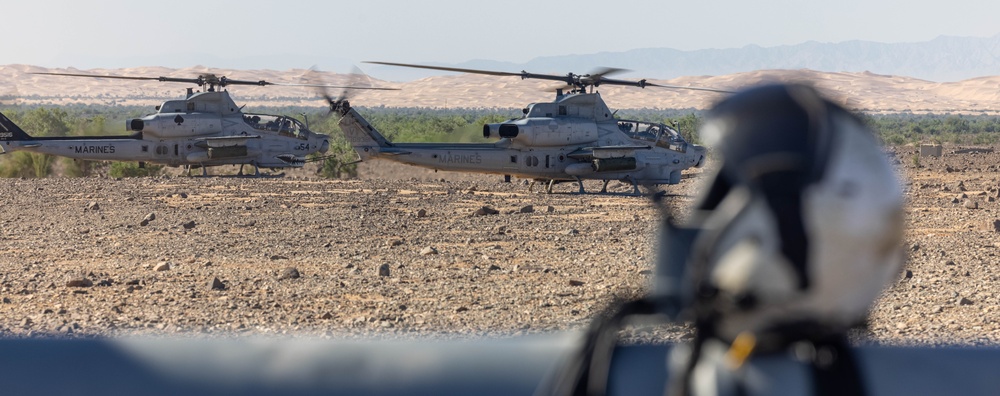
x=575, y=137
x=203, y=129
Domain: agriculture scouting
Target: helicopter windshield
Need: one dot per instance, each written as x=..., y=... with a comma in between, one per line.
x=659, y=134
x=285, y=126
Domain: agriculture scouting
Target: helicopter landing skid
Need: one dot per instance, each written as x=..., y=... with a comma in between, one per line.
x=636, y=192
x=256, y=169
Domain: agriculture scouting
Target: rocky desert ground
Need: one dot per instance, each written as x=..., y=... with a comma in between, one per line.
x=307, y=256
x=402, y=252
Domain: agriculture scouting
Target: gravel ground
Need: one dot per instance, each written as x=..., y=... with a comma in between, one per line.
x=401, y=253
x=950, y=290
x=313, y=257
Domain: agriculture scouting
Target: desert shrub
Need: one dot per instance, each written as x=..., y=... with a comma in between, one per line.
x=132, y=169
x=76, y=168
x=25, y=164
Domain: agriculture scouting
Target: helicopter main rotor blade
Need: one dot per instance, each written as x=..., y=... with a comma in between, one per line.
x=333, y=86
x=451, y=69
x=210, y=79
x=164, y=79
x=606, y=71
x=569, y=79
x=593, y=79
x=648, y=84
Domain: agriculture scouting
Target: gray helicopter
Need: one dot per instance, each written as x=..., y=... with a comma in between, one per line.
x=573, y=138
x=201, y=130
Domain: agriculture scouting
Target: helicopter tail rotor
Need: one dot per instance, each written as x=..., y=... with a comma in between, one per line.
x=339, y=103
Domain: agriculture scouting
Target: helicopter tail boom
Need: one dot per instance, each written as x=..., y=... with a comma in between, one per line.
x=364, y=138
x=10, y=131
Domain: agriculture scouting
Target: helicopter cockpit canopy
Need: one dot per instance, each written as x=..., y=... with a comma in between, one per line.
x=285, y=126
x=659, y=134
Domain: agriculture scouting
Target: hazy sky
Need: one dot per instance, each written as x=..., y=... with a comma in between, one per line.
x=284, y=34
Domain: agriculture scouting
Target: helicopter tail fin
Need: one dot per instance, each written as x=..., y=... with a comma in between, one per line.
x=364, y=138
x=9, y=131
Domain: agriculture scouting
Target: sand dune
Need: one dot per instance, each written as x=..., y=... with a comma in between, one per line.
x=861, y=91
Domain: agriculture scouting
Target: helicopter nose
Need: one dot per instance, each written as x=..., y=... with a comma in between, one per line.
x=325, y=146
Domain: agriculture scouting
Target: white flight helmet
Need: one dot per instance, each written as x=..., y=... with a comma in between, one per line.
x=801, y=227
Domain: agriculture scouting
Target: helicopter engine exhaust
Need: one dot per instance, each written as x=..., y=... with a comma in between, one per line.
x=489, y=130
x=135, y=125
x=500, y=130
x=508, y=131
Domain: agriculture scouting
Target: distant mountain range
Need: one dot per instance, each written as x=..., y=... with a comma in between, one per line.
x=942, y=59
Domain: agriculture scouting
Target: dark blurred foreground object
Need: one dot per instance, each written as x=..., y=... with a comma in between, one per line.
x=252, y=367
x=790, y=243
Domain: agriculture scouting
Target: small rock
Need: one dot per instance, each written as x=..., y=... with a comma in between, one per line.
x=150, y=217
x=907, y=274
x=494, y=267
x=92, y=206
x=275, y=257
x=79, y=282
x=326, y=316
x=461, y=309
x=144, y=223
x=395, y=242
x=485, y=211
x=421, y=213
x=527, y=209
x=427, y=251
x=965, y=301
x=6, y=300
x=574, y=282
x=550, y=209
x=162, y=266
x=949, y=262
x=383, y=270
x=971, y=204
x=189, y=225
x=289, y=273
x=216, y=284
x=571, y=231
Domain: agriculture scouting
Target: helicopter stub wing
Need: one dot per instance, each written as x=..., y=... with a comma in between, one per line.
x=224, y=141
x=589, y=153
